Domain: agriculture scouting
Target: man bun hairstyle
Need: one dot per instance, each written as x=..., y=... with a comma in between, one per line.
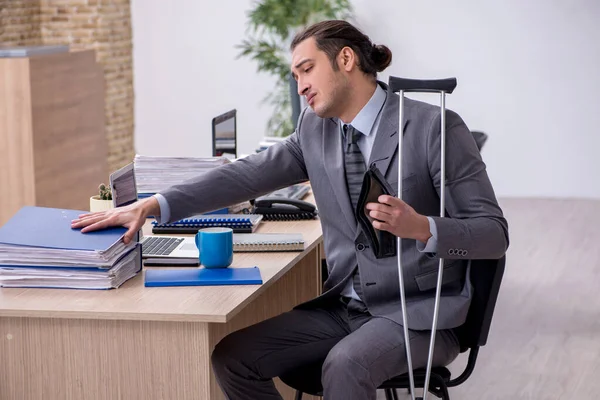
x=381, y=56
x=332, y=36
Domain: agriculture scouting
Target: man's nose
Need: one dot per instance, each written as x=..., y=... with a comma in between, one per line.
x=302, y=87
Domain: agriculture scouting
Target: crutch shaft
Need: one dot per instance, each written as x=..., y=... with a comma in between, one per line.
x=438, y=289
x=398, y=252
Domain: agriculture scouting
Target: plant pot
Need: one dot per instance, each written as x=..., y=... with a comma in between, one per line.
x=97, y=204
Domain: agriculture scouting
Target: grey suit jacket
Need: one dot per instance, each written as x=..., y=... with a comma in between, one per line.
x=474, y=228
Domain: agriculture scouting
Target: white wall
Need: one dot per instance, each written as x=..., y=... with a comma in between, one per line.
x=527, y=73
x=186, y=73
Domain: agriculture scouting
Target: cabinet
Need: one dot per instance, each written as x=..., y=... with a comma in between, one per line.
x=53, y=145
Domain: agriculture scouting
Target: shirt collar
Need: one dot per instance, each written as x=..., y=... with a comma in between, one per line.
x=365, y=119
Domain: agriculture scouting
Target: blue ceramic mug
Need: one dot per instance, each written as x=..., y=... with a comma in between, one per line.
x=215, y=246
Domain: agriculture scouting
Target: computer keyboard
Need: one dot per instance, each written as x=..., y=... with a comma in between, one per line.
x=156, y=245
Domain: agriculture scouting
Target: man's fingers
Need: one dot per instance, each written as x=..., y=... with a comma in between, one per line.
x=381, y=216
x=103, y=223
x=382, y=226
x=390, y=200
x=385, y=203
x=378, y=207
x=97, y=221
x=88, y=218
x=87, y=221
x=91, y=215
x=130, y=234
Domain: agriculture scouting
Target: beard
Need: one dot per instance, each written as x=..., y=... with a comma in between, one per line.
x=334, y=101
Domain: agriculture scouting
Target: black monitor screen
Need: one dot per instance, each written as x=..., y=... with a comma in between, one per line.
x=224, y=135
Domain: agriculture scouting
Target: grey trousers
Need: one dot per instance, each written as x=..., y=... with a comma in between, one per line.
x=360, y=351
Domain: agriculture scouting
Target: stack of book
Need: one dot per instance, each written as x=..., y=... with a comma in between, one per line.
x=38, y=248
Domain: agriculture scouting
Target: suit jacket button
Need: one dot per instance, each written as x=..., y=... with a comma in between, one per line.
x=451, y=252
x=360, y=247
x=465, y=252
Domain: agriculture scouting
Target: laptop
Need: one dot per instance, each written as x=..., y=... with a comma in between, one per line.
x=184, y=248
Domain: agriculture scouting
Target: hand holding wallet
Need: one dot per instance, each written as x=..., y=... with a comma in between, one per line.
x=374, y=185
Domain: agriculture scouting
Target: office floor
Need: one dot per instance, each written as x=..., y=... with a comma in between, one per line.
x=545, y=337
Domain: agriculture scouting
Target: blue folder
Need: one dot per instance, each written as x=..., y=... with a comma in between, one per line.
x=51, y=228
x=202, y=277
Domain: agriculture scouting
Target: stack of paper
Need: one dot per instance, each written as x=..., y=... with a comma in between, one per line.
x=71, y=277
x=38, y=248
x=154, y=174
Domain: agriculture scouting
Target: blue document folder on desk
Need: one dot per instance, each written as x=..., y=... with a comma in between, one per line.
x=38, y=248
x=51, y=228
x=202, y=277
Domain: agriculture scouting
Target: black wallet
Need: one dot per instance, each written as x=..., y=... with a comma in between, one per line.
x=374, y=185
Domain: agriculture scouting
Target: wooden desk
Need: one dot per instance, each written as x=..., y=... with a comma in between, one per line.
x=144, y=343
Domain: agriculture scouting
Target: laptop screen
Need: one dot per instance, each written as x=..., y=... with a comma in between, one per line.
x=224, y=135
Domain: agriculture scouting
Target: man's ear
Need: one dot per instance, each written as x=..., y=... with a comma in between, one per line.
x=347, y=59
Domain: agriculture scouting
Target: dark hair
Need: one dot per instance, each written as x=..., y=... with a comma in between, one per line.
x=332, y=36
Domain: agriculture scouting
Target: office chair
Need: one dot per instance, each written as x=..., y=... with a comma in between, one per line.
x=485, y=276
x=480, y=138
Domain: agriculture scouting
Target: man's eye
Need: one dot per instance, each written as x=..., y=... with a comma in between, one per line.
x=307, y=69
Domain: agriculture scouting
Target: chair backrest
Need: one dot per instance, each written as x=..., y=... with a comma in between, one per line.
x=486, y=276
x=480, y=138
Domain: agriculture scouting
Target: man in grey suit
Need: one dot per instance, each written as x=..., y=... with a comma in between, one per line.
x=355, y=325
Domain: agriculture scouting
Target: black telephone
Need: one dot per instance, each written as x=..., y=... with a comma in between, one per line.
x=284, y=209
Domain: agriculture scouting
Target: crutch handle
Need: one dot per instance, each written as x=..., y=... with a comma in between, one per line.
x=422, y=85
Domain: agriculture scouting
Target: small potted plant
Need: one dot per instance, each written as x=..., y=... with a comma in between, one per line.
x=103, y=200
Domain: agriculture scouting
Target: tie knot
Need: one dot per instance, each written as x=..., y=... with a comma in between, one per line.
x=352, y=135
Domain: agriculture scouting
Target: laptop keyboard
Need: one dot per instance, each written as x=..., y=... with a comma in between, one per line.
x=156, y=245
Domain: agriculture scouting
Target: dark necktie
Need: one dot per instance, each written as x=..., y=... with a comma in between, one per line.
x=354, y=163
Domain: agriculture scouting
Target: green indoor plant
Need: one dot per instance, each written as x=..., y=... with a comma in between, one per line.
x=272, y=25
x=103, y=200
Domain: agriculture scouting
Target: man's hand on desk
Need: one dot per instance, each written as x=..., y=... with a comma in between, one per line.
x=132, y=216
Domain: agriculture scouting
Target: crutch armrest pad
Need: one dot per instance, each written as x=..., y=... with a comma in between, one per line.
x=397, y=84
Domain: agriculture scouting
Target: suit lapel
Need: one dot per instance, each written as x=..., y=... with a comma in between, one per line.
x=334, y=166
x=386, y=141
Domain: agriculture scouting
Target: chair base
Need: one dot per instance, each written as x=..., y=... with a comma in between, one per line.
x=308, y=380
